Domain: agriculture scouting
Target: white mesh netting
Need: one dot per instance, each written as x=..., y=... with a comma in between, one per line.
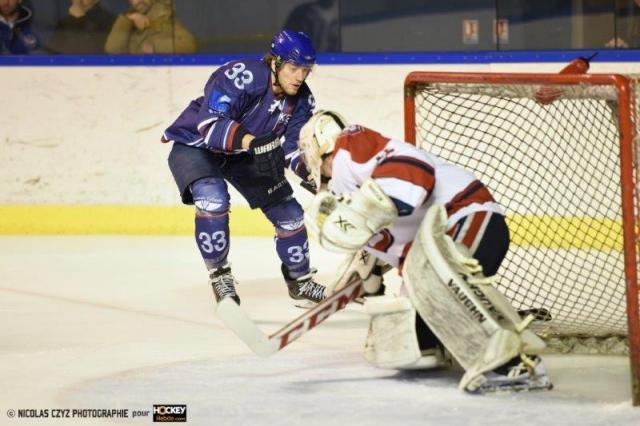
x=556, y=169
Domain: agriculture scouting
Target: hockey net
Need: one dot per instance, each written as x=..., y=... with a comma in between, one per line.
x=565, y=171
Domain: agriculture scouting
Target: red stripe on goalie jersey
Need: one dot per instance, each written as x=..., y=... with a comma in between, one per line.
x=405, y=251
x=363, y=144
x=383, y=240
x=452, y=231
x=409, y=169
x=470, y=229
x=475, y=192
x=477, y=219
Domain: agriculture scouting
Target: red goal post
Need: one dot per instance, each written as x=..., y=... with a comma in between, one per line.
x=566, y=170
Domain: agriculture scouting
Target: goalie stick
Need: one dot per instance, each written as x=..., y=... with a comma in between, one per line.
x=237, y=320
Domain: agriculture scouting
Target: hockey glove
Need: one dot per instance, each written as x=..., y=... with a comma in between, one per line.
x=268, y=156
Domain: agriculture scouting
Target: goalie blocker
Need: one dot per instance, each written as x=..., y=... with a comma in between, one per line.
x=472, y=319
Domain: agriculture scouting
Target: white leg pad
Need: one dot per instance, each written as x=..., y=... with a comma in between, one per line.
x=392, y=341
x=473, y=320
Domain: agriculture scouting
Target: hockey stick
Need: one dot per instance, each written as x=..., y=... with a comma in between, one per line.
x=303, y=196
x=237, y=320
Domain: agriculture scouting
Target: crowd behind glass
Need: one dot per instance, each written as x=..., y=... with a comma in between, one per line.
x=86, y=27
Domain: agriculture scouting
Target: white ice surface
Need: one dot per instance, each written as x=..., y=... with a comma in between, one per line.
x=128, y=322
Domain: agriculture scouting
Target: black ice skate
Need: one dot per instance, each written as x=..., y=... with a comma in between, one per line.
x=520, y=374
x=304, y=287
x=223, y=283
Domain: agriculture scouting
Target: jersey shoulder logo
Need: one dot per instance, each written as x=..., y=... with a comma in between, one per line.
x=219, y=102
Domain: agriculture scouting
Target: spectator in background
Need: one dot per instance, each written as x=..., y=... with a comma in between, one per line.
x=628, y=28
x=84, y=30
x=16, y=34
x=319, y=20
x=149, y=27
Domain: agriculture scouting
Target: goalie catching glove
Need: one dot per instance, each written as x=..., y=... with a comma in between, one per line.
x=345, y=224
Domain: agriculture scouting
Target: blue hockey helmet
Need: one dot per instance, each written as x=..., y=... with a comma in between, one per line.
x=294, y=47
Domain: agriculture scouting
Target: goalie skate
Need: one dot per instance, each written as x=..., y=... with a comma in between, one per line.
x=527, y=375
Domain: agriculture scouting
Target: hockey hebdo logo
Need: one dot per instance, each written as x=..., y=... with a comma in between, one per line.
x=170, y=413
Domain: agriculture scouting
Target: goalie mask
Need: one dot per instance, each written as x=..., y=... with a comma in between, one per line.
x=318, y=139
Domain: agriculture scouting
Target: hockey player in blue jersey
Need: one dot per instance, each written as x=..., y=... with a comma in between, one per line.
x=244, y=131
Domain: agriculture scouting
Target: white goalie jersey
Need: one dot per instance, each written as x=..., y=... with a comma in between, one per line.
x=413, y=179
